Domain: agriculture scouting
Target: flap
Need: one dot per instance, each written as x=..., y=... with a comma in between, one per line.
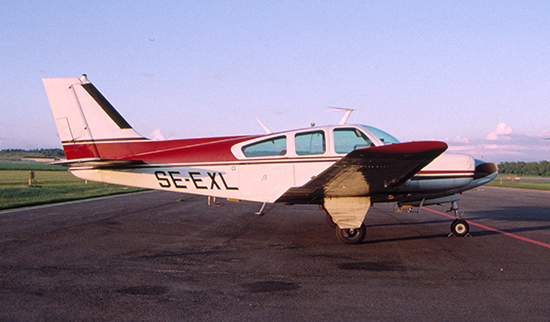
x=367, y=171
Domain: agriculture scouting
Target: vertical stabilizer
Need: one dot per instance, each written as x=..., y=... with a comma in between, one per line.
x=84, y=117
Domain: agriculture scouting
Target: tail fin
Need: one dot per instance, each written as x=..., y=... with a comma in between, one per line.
x=84, y=117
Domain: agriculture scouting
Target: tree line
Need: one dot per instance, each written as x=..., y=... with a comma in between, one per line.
x=19, y=153
x=541, y=168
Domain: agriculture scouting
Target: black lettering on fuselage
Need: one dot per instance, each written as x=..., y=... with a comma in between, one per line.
x=213, y=179
x=163, y=182
x=196, y=180
x=225, y=184
x=176, y=180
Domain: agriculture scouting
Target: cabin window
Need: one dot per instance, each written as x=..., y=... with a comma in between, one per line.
x=310, y=143
x=349, y=139
x=385, y=137
x=272, y=147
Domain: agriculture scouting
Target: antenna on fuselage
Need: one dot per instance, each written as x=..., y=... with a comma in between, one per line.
x=266, y=129
x=346, y=116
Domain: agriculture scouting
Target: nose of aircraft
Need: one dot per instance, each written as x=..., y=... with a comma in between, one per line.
x=485, y=169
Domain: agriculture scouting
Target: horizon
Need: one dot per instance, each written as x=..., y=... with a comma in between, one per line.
x=474, y=75
x=61, y=149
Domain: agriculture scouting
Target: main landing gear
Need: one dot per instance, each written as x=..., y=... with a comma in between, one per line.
x=459, y=227
x=347, y=236
x=351, y=235
x=330, y=222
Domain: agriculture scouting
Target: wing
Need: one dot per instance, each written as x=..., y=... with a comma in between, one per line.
x=368, y=171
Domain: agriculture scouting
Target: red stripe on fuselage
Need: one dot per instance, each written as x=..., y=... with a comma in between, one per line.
x=208, y=163
x=421, y=178
x=443, y=174
x=446, y=172
x=168, y=151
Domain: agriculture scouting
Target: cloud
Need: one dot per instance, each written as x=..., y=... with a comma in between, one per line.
x=157, y=135
x=501, y=132
x=459, y=139
x=545, y=134
x=503, y=144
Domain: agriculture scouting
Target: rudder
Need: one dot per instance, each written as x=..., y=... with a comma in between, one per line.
x=84, y=117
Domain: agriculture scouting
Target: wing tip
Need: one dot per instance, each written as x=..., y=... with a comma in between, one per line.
x=407, y=148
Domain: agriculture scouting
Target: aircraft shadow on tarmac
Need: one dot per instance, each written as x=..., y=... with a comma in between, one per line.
x=407, y=238
x=519, y=213
x=523, y=214
x=409, y=223
x=514, y=230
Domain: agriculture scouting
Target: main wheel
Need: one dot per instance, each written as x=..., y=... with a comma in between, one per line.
x=351, y=235
x=460, y=228
x=330, y=222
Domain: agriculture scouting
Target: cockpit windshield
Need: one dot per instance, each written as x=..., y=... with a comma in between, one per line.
x=385, y=137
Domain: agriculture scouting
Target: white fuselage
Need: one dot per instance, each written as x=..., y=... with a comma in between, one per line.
x=265, y=178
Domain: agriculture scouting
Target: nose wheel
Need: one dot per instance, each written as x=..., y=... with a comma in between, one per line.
x=459, y=227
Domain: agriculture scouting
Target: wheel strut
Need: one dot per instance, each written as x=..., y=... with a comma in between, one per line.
x=261, y=211
x=454, y=208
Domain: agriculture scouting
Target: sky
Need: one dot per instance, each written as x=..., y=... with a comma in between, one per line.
x=475, y=74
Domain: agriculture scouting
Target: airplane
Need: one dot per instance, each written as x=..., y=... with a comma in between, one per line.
x=343, y=168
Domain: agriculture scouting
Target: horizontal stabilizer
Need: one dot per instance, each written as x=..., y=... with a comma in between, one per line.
x=97, y=163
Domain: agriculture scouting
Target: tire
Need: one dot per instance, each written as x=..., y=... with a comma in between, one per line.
x=330, y=222
x=351, y=236
x=460, y=228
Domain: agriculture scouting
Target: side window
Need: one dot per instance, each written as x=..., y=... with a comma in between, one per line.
x=385, y=137
x=310, y=143
x=271, y=147
x=347, y=140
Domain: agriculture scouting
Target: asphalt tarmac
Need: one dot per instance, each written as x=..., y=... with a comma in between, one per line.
x=155, y=257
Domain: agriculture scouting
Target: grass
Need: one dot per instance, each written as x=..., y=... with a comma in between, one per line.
x=52, y=186
x=524, y=183
x=7, y=165
x=57, y=184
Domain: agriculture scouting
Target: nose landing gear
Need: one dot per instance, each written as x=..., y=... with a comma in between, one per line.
x=459, y=227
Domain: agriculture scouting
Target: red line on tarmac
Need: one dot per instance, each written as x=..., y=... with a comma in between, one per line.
x=529, y=240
